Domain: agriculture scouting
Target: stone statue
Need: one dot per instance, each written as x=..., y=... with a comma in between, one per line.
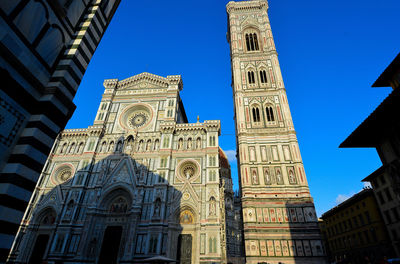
x=212, y=206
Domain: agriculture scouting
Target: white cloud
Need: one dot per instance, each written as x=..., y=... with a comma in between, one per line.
x=343, y=197
x=231, y=154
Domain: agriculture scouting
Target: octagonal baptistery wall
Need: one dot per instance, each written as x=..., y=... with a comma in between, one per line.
x=140, y=182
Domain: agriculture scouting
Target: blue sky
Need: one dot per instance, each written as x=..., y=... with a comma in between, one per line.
x=330, y=54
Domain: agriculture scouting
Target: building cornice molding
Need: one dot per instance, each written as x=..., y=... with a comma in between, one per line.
x=245, y=6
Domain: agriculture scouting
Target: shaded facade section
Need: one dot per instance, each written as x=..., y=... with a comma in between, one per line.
x=355, y=231
x=45, y=48
x=381, y=130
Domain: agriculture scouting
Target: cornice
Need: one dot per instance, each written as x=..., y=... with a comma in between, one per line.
x=167, y=127
x=149, y=78
x=95, y=130
x=245, y=6
x=76, y=132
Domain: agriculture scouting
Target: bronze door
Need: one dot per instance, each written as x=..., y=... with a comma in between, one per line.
x=185, y=249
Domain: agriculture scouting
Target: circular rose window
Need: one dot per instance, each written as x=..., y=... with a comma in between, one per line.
x=62, y=174
x=136, y=116
x=138, y=119
x=188, y=169
x=65, y=174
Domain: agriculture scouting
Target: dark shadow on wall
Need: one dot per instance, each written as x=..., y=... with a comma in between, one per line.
x=306, y=245
x=113, y=211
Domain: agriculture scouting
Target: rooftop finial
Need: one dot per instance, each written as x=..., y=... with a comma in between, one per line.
x=198, y=119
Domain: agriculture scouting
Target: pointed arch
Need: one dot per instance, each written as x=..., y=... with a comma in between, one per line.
x=47, y=216
x=111, y=146
x=269, y=112
x=156, y=145
x=80, y=147
x=251, y=39
x=189, y=143
x=148, y=145
x=180, y=143
x=63, y=148
x=198, y=143
x=255, y=110
x=116, y=200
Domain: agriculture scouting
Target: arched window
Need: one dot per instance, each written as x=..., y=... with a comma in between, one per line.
x=48, y=218
x=263, y=76
x=129, y=144
x=148, y=145
x=198, y=143
x=104, y=147
x=80, y=148
x=250, y=76
x=140, y=145
x=72, y=148
x=212, y=209
x=157, y=208
x=63, y=148
x=270, y=113
x=111, y=147
x=251, y=41
x=256, y=114
x=180, y=143
x=119, y=146
x=156, y=144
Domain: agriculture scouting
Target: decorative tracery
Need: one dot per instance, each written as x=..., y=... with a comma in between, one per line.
x=251, y=41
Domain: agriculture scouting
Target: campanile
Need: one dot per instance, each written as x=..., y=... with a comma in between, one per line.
x=279, y=220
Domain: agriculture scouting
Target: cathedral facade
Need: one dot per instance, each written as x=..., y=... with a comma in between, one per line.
x=279, y=220
x=140, y=182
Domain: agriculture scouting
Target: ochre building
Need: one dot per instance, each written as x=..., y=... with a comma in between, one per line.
x=355, y=231
x=381, y=131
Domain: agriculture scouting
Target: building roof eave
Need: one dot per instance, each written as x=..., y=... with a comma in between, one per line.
x=378, y=125
x=386, y=76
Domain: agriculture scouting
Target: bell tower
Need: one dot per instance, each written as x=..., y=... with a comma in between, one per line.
x=279, y=219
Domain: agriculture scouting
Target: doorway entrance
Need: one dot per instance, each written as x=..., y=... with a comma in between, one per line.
x=39, y=249
x=110, y=246
x=184, y=253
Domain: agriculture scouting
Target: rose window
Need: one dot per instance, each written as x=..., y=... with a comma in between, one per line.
x=136, y=116
x=138, y=119
x=65, y=175
x=188, y=169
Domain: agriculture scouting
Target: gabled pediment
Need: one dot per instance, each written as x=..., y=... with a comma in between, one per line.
x=143, y=80
x=122, y=173
x=249, y=22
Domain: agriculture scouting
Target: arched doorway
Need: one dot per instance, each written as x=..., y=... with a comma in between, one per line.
x=39, y=249
x=110, y=246
x=115, y=217
x=46, y=220
x=185, y=253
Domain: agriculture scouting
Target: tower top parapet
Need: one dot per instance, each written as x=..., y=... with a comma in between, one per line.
x=246, y=5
